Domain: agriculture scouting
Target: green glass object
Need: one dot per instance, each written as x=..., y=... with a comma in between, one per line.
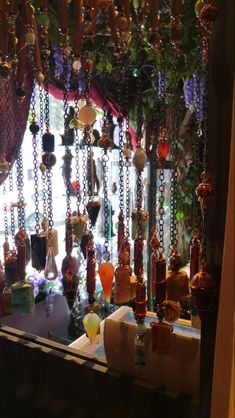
x=136, y=72
x=91, y=324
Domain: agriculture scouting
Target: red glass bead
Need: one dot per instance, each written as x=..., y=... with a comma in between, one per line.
x=162, y=149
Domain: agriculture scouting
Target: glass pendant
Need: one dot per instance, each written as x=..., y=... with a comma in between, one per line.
x=38, y=247
x=203, y=289
x=83, y=245
x=106, y=273
x=93, y=209
x=50, y=271
x=92, y=326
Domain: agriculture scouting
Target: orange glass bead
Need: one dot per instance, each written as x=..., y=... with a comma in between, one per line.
x=162, y=149
x=106, y=273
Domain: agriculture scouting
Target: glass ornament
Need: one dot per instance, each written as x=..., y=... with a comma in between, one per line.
x=204, y=190
x=106, y=273
x=91, y=324
x=203, y=289
x=87, y=115
x=140, y=158
x=163, y=146
x=40, y=77
x=77, y=65
x=136, y=72
x=93, y=209
x=48, y=142
x=38, y=251
x=48, y=159
x=50, y=271
x=70, y=263
x=34, y=128
x=70, y=284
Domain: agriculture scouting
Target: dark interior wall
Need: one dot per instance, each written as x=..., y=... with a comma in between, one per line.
x=221, y=73
x=37, y=382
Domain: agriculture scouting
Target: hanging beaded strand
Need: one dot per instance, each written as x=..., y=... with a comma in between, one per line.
x=203, y=285
x=106, y=269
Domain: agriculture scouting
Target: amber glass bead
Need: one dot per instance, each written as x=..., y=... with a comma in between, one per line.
x=106, y=273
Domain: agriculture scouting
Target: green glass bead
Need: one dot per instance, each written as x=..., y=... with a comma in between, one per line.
x=136, y=72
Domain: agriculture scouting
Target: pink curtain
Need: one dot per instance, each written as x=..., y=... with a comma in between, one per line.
x=10, y=137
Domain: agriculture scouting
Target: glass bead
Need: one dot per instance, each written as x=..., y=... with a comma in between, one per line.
x=106, y=273
x=87, y=115
x=91, y=324
x=136, y=72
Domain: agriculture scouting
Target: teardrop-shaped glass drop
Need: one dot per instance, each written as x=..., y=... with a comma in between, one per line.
x=106, y=273
x=162, y=149
x=50, y=271
x=91, y=324
x=93, y=209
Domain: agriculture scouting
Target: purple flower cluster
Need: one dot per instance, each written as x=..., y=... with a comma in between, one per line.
x=194, y=95
x=161, y=84
x=58, y=55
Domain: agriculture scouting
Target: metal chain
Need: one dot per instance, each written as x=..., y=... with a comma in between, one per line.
x=90, y=174
x=205, y=151
x=43, y=174
x=105, y=159
x=84, y=171
x=78, y=148
x=128, y=146
x=20, y=187
x=67, y=151
x=199, y=108
x=7, y=92
x=174, y=157
x=35, y=164
x=12, y=223
x=161, y=201
x=49, y=201
x=6, y=231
